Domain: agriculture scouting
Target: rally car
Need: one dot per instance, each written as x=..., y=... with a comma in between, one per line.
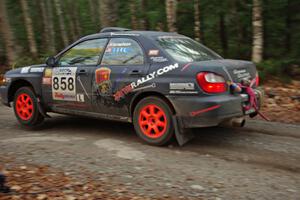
x=161, y=82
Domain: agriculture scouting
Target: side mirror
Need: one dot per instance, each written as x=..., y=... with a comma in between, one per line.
x=51, y=61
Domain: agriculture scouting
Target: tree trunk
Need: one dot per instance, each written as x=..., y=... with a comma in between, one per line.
x=45, y=20
x=197, y=27
x=50, y=26
x=69, y=6
x=108, y=12
x=75, y=18
x=144, y=22
x=94, y=15
x=134, y=22
x=288, y=27
x=29, y=28
x=62, y=26
x=171, y=14
x=257, y=25
x=223, y=34
x=7, y=34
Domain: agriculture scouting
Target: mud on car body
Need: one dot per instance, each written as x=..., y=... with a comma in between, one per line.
x=163, y=83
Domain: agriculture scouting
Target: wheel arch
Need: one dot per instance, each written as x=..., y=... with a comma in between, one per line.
x=143, y=95
x=15, y=85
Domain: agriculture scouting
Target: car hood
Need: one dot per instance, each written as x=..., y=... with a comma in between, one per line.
x=27, y=69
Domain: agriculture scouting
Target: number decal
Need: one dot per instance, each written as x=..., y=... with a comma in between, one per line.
x=55, y=83
x=64, y=84
x=71, y=84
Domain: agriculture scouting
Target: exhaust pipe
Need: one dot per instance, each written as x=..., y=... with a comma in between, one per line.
x=234, y=122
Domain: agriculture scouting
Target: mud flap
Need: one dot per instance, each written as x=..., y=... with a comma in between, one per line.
x=182, y=135
x=41, y=109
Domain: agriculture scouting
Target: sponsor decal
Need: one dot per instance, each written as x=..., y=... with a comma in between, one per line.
x=102, y=80
x=198, y=112
x=134, y=85
x=25, y=70
x=37, y=69
x=153, y=52
x=121, y=44
x=80, y=97
x=182, y=86
x=241, y=73
x=118, y=50
x=171, y=37
x=153, y=85
x=64, y=83
x=159, y=59
x=182, y=92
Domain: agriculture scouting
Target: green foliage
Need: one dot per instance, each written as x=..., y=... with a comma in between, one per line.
x=283, y=69
x=281, y=27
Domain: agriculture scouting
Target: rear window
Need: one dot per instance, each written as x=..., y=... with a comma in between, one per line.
x=184, y=49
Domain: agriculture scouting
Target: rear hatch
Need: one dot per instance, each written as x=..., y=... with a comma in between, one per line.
x=231, y=70
x=238, y=70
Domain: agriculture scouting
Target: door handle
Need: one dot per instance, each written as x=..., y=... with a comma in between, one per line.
x=135, y=72
x=82, y=72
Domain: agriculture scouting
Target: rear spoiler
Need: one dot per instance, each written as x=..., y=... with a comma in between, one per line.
x=113, y=29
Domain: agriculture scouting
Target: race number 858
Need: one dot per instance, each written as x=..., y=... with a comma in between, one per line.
x=63, y=83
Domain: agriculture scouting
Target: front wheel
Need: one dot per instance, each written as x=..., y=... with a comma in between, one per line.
x=152, y=119
x=26, y=107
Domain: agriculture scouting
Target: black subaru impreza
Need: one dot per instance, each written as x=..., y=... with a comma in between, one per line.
x=161, y=82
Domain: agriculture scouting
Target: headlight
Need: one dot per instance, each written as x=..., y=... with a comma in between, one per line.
x=4, y=80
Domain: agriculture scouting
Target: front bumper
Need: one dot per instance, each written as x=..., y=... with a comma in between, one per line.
x=195, y=111
x=4, y=95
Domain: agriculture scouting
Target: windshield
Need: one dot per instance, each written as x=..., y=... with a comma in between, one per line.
x=184, y=49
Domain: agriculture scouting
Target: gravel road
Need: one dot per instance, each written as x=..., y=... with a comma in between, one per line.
x=260, y=161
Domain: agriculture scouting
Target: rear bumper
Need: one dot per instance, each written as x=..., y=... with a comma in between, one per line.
x=4, y=95
x=193, y=111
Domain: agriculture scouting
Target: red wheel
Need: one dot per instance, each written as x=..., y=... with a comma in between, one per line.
x=152, y=119
x=24, y=106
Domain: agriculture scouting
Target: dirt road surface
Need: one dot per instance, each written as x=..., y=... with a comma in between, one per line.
x=260, y=161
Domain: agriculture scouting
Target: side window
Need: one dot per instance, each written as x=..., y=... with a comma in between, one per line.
x=84, y=53
x=123, y=51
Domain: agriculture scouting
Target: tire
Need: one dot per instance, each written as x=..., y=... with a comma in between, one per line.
x=26, y=108
x=152, y=120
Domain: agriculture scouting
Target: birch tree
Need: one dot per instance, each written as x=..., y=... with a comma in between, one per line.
x=171, y=9
x=257, y=26
x=197, y=24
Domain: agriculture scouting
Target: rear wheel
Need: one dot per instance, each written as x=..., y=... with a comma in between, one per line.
x=152, y=119
x=26, y=107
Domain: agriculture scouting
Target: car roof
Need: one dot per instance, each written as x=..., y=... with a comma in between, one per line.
x=134, y=33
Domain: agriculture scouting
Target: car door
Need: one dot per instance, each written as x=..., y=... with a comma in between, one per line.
x=71, y=79
x=122, y=63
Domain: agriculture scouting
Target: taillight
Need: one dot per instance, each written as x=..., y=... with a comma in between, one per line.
x=211, y=82
x=257, y=79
